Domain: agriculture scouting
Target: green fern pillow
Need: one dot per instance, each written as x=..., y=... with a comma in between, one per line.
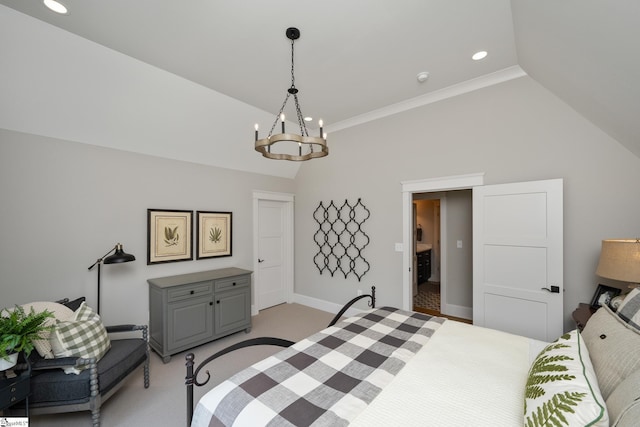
x=562, y=389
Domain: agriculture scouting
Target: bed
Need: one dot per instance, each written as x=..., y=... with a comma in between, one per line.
x=387, y=366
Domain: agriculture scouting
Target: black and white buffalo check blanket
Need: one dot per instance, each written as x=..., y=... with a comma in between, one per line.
x=326, y=379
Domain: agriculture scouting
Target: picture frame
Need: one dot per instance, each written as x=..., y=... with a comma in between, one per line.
x=214, y=234
x=604, y=294
x=169, y=235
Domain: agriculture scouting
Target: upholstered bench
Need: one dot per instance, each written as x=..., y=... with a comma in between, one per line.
x=54, y=391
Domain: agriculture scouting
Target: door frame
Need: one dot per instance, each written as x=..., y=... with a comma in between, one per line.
x=456, y=182
x=288, y=269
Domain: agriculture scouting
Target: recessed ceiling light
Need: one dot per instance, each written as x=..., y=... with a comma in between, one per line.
x=479, y=55
x=308, y=119
x=56, y=6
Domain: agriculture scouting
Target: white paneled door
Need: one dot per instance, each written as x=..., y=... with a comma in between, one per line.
x=273, y=272
x=518, y=259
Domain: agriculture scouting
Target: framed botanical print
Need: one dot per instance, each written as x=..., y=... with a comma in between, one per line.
x=169, y=235
x=213, y=234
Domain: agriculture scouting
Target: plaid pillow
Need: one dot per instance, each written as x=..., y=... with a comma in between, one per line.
x=83, y=335
x=629, y=309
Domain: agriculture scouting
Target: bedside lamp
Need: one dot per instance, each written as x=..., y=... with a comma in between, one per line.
x=620, y=260
x=118, y=257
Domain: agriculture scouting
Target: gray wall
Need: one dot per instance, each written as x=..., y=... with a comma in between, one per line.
x=515, y=131
x=65, y=204
x=459, y=262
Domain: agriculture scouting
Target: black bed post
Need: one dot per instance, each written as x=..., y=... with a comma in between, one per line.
x=348, y=305
x=189, y=382
x=373, y=297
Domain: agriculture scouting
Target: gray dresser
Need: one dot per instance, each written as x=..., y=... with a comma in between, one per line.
x=188, y=310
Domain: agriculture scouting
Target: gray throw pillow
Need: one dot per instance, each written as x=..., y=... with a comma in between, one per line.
x=624, y=402
x=614, y=348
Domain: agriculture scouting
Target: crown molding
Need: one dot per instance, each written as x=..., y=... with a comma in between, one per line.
x=431, y=97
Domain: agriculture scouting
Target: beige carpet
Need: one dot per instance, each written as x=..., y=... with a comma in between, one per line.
x=164, y=402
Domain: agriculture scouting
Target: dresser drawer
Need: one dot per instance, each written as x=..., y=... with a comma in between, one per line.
x=189, y=291
x=231, y=283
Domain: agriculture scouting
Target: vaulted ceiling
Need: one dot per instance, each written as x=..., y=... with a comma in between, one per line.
x=355, y=58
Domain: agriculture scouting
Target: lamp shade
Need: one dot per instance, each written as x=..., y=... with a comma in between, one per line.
x=620, y=260
x=119, y=256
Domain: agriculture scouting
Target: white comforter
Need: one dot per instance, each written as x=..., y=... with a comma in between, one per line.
x=464, y=376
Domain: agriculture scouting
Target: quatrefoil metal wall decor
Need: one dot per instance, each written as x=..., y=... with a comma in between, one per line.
x=341, y=239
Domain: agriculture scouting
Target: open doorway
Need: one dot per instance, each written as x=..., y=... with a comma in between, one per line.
x=427, y=223
x=455, y=245
x=444, y=253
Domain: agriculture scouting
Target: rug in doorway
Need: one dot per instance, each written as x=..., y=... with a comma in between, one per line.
x=428, y=296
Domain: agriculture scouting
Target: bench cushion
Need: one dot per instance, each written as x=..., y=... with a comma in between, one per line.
x=54, y=387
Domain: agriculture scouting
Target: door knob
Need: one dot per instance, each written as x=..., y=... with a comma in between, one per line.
x=260, y=260
x=553, y=290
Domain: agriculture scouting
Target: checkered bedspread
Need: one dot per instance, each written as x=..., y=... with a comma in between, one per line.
x=324, y=380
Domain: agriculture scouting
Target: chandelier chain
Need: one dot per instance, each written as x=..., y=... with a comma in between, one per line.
x=293, y=76
x=303, y=126
x=275, y=122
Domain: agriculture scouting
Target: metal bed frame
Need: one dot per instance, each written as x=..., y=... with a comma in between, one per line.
x=193, y=370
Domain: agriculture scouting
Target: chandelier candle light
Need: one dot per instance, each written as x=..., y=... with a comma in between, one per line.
x=309, y=147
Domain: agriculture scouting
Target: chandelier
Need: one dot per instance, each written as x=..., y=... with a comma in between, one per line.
x=291, y=146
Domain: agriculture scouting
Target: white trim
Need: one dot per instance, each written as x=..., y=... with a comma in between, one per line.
x=431, y=97
x=453, y=182
x=459, y=311
x=288, y=199
x=329, y=307
x=456, y=182
x=272, y=195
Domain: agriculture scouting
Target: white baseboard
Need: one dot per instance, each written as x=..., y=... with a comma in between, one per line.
x=323, y=305
x=318, y=304
x=458, y=311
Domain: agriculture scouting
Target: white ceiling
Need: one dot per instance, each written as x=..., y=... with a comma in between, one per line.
x=356, y=57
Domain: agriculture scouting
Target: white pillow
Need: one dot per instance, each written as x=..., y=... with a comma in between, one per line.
x=562, y=388
x=83, y=335
x=60, y=312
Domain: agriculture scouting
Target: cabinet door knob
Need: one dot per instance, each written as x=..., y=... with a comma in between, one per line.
x=234, y=283
x=218, y=302
x=192, y=292
x=210, y=302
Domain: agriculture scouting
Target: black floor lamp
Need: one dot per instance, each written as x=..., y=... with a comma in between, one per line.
x=118, y=257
